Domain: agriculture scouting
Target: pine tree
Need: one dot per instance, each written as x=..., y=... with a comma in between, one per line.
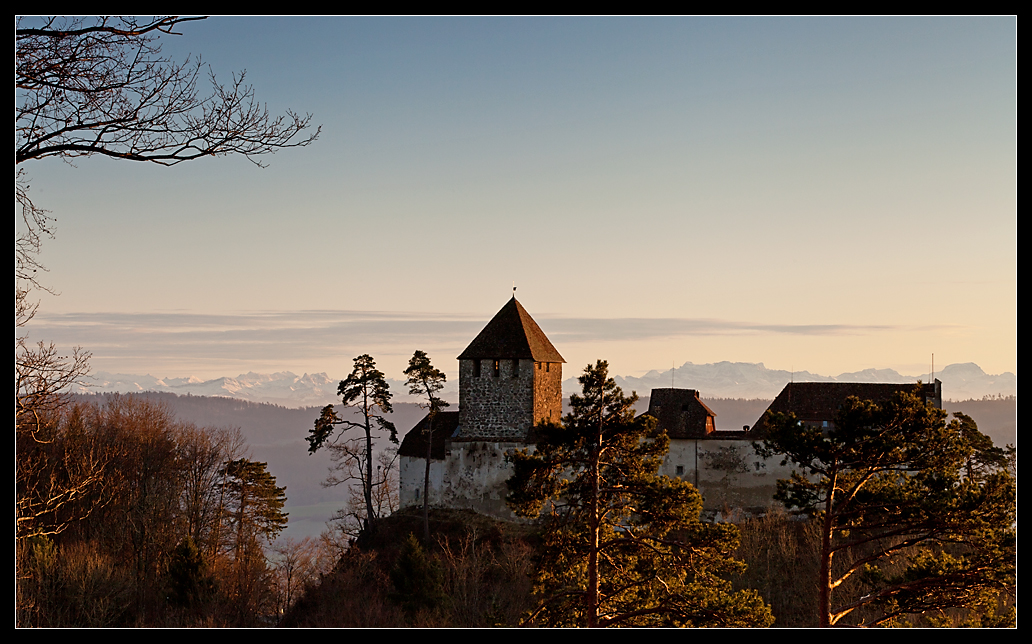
x=418, y=579
x=622, y=545
x=254, y=502
x=426, y=381
x=919, y=510
x=190, y=584
x=365, y=390
x=255, y=513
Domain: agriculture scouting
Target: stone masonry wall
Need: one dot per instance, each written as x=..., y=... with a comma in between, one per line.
x=496, y=406
x=548, y=391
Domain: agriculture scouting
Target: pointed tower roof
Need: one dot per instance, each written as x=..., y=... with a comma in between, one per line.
x=512, y=333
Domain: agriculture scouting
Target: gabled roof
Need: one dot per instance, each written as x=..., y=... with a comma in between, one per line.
x=681, y=413
x=414, y=443
x=512, y=333
x=820, y=401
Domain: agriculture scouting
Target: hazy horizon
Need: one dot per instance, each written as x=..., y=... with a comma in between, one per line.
x=964, y=381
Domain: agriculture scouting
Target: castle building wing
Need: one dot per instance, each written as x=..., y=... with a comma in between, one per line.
x=818, y=402
x=414, y=443
x=681, y=413
x=512, y=334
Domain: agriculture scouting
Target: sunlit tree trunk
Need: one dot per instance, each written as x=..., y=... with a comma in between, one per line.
x=827, y=553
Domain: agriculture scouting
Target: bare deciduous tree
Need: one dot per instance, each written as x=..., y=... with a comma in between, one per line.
x=101, y=86
x=296, y=567
x=35, y=224
x=42, y=379
x=53, y=475
x=349, y=463
x=57, y=475
x=204, y=452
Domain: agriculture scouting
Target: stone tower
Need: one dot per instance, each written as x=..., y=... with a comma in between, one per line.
x=510, y=378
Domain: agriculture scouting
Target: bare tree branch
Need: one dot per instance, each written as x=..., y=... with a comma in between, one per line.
x=101, y=86
x=105, y=88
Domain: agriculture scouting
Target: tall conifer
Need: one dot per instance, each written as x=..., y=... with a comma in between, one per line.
x=622, y=545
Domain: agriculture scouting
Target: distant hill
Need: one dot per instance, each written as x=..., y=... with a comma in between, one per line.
x=996, y=417
x=281, y=388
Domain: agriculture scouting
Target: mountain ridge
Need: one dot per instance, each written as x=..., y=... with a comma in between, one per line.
x=721, y=379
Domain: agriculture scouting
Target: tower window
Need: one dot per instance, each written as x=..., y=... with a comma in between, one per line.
x=516, y=368
x=547, y=365
x=496, y=368
x=476, y=368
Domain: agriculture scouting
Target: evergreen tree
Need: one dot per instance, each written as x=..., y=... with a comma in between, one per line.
x=920, y=510
x=255, y=511
x=426, y=381
x=418, y=579
x=190, y=584
x=254, y=502
x=622, y=546
x=366, y=390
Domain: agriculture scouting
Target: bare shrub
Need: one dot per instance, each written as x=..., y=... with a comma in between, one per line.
x=488, y=584
x=354, y=596
x=73, y=586
x=782, y=555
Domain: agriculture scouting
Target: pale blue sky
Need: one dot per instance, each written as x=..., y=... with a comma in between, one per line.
x=819, y=194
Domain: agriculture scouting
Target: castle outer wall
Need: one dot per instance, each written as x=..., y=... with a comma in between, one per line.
x=472, y=475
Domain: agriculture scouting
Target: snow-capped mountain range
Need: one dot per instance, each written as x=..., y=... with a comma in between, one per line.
x=752, y=380
x=716, y=380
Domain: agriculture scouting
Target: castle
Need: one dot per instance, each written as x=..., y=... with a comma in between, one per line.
x=510, y=379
